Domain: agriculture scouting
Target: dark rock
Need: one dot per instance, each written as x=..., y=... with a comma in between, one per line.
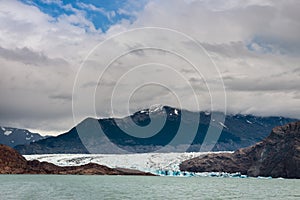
x=278, y=155
x=11, y=162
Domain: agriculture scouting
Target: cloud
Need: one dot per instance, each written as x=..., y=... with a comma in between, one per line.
x=255, y=45
x=64, y=97
x=29, y=57
x=91, y=7
x=230, y=21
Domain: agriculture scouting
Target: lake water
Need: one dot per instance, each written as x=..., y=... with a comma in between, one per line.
x=138, y=187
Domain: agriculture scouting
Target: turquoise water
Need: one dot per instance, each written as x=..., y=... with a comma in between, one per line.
x=139, y=187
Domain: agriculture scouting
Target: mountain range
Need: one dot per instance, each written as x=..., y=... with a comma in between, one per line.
x=237, y=131
x=13, y=136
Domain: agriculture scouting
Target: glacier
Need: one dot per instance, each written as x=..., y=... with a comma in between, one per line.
x=162, y=164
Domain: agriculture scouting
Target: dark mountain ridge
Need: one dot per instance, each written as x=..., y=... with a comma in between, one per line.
x=14, y=136
x=236, y=132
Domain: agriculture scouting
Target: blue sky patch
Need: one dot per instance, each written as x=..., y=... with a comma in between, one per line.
x=102, y=14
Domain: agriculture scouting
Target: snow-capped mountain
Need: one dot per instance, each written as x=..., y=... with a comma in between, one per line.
x=237, y=131
x=14, y=136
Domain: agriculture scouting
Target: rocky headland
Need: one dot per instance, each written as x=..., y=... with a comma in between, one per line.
x=278, y=155
x=11, y=162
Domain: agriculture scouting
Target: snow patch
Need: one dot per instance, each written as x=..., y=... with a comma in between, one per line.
x=249, y=122
x=3, y=129
x=223, y=125
x=156, y=108
x=176, y=112
x=7, y=133
x=207, y=113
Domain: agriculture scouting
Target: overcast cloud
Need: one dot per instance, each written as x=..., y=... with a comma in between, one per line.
x=254, y=43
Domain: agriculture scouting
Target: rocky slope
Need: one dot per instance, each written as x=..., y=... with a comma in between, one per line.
x=278, y=155
x=13, y=136
x=11, y=162
x=237, y=131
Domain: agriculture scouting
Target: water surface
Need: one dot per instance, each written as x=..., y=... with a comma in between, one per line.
x=139, y=187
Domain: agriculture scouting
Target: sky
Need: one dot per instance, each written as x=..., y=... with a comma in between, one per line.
x=64, y=60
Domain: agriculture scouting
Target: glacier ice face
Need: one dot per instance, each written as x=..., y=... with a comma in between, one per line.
x=163, y=164
x=145, y=161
